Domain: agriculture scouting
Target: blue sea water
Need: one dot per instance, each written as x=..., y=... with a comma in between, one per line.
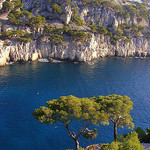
x=20, y=83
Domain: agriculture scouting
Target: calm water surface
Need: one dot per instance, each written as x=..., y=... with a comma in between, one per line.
x=20, y=83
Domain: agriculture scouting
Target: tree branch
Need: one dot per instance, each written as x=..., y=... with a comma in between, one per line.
x=70, y=133
x=111, y=120
x=83, y=129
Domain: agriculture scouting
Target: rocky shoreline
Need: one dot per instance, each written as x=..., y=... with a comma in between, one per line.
x=95, y=47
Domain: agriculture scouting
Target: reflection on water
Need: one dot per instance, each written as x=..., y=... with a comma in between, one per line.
x=20, y=83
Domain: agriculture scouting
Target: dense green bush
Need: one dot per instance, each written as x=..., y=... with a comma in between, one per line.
x=25, y=40
x=132, y=11
x=78, y=35
x=56, y=38
x=113, y=40
x=142, y=10
x=56, y=8
x=124, y=26
x=48, y=29
x=17, y=4
x=78, y=21
x=75, y=12
x=37, y=21
x=93, y=28
x=6, y=7
x=13, y=34
x=141, y=28
x=13, y=19
x=130, y=142
x=102, y=30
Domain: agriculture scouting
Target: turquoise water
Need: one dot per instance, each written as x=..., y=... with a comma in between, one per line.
x=20, y=83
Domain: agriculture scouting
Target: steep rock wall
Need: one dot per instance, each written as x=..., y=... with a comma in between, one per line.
x=95, y=47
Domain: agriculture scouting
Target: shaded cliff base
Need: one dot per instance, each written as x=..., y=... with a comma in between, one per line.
x=95, y=47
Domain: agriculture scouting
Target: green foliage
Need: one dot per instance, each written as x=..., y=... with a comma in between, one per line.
x=141, y=28
x=14, y=17
x=36, y=4
x=78, y=21
x=86, y=1
x=118, y=32
x=78, y=35
x=56, y=38
x=37, y=21
x=131, y=142
x=124, y=26
x=25, y=40
x=142, y=10
x=93, y=28
x=108, y=4
x=13, y=34
x=132, y=11
x=48, y=29
x=141, y=133
x=6, y=7
x=118, y=8
x=113, y=146
x=118, y=109
x=0, y=24
x=27, y=14
x=75, y=12
x=17, y=4
x=147, y=137
x=102, y=30
x=56, y=8
x=113, y=40
x=90, y=134
x=65, y=29
x=127, y=40
x=68, y=108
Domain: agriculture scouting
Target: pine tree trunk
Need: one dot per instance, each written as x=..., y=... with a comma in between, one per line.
x=115, y=131
x=76, y=144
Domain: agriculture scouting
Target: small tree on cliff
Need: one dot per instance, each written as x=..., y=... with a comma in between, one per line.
x=37, y=22
x=117, y=108
x=68, y=108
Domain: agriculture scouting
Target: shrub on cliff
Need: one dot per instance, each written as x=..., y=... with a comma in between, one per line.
x=25, y=40
x=78, y=35
x=132, y=11
x=6, y=7
x=93, y=28
x=78, y=21
x=17, y=4
x=56, y=38
x=14, y=17
x=37, y=22
x=56, y=8
x=48, y=29
x=124, y=26
x=102, y=30
x=142, y=10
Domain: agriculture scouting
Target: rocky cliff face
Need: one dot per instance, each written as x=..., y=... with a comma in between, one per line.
x=95, y=47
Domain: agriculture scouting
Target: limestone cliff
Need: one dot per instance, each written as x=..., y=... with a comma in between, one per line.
x=94, y=46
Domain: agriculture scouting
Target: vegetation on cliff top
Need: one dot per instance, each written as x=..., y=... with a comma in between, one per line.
x=17, y=16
